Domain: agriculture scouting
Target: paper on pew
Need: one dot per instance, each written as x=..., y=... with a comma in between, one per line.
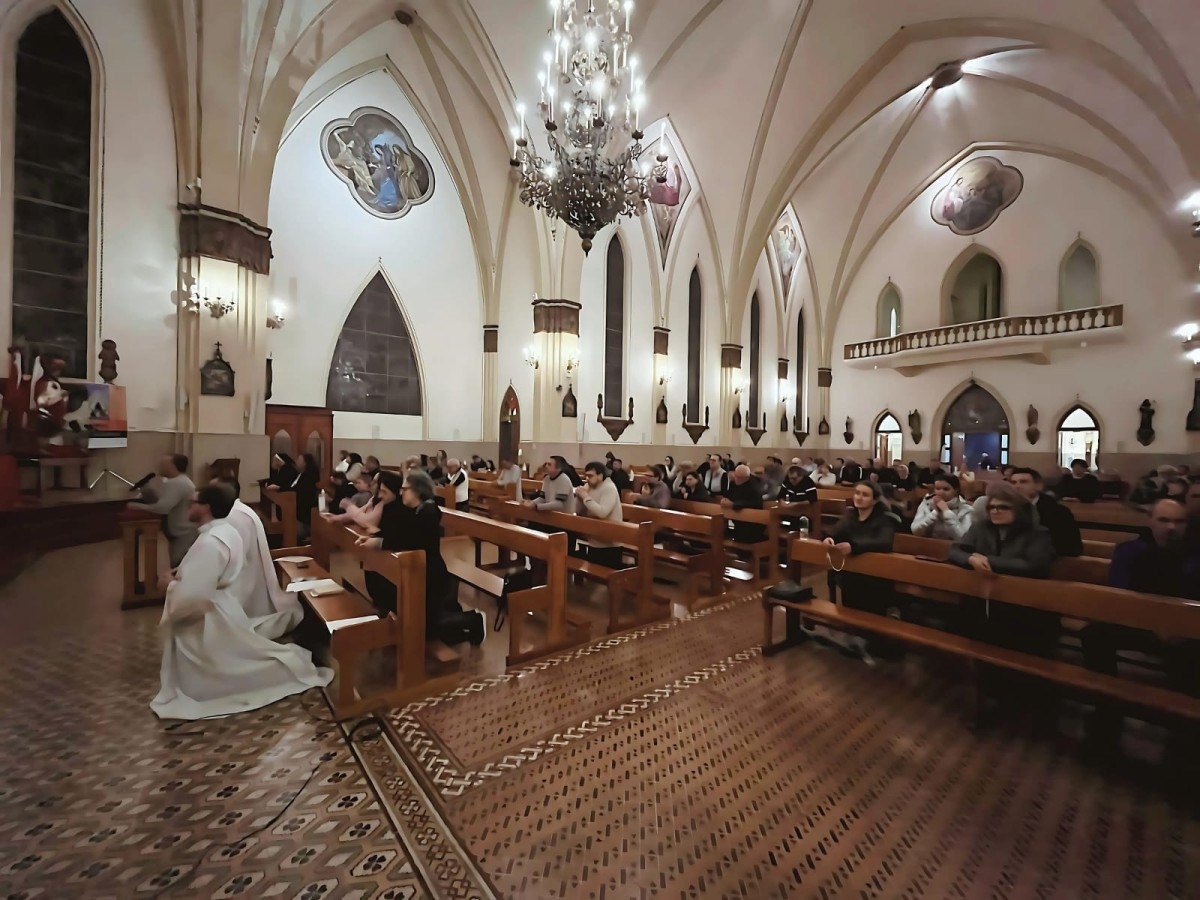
x=317, y=586
x=294, y=559
x=345, y=623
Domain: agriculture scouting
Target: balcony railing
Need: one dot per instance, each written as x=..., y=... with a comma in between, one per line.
x=1070, y=322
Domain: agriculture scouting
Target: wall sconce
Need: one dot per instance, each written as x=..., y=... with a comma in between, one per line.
x=217, y=308
x=785, y=391
x=276, y=320
x=531, y=358
x=741, y=384
x=666, y=373
x=1191, y=344
x=572, y=365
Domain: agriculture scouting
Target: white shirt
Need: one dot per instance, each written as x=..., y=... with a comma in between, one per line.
x=511, y=475
x=461, y=488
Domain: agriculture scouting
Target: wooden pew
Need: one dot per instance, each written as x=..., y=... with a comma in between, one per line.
x=1083, y=569
x=1094, y=603
x=637, y=580
x=707, y=530
x=139, y=547
x=277, y=509
x=484, y=494
x=1107, y=515
x=549, y=599
x=764, y=554
x=405, y=629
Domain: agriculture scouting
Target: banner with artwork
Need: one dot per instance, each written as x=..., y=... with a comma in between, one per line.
x=95, y=415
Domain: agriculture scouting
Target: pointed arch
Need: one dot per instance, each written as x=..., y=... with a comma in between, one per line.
x=615, y=274
x=52, y=215
x=374, y=367
x=888, y=443
x=1078, y=436
x=1079, y=277
x=973, y=288
x=695, y=346
x=973, y=419
x=888, y=312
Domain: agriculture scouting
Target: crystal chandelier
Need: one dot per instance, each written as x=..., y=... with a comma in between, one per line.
x=591, y=101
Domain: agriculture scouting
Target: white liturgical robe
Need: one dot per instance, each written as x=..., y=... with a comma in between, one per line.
x=272, y=611
x=214, y=662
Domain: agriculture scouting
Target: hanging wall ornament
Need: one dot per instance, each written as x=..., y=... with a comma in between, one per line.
x=914, y=426
x=1145, y=432
x=823, y=427
x=848, y=434
x=270, y=377
x=1032, y=433
x=570, y=406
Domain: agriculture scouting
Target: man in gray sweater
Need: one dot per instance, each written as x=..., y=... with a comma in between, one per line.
x=558, y=493
x=172, y=499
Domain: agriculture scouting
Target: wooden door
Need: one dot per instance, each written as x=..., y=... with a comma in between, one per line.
x=302, y=429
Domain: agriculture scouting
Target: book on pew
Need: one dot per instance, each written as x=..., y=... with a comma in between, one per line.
x=318, y=586
x=294, y=559
x=345, y=623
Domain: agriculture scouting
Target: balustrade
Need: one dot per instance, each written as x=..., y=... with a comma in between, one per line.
x=1073, y=321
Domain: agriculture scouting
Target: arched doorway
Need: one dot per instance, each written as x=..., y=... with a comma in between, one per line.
x=1078, y=438
x=889, y=440
x=510, y=426
x=975, y=427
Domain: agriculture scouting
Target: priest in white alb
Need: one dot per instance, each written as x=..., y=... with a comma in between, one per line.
x=214, y=661
x=272, y=611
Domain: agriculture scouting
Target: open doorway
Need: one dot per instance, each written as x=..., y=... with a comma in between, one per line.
x=1078, y=438
x=889, y=440
x=975, y=431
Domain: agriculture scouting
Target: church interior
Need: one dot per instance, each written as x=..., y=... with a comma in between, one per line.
x=600, y=448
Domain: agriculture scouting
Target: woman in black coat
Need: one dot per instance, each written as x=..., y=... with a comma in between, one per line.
x=412, y=520
x=869, y=527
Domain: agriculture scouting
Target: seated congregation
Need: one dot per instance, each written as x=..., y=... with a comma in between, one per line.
x=1119, y=632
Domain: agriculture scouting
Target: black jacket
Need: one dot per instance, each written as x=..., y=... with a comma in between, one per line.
x=699, y=495
x=1060, y=522
x=875, y=534
x=747, y=495
x=1085, y=489
x=850, y=474
x=804, y=492
x=402, y=528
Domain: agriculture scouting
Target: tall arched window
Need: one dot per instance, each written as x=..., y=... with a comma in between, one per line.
x=695, y=336
x=614, y=330
x=889, y=440
x=1078, y=438
x=887, y=312
x=51, y=193
x=800, y=418
x=978, y=290
x=753, y=417
x=1079, y=279
x=374, y=367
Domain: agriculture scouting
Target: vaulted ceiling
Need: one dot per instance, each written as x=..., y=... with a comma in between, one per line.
x=817, y=103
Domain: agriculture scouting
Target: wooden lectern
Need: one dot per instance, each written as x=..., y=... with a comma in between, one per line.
x=139, y=541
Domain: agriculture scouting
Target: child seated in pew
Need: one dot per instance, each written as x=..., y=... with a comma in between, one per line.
x=412, y=520
x=362, y=516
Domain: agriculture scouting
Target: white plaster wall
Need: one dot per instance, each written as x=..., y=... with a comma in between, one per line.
x=138, y=230
x=327, y=247
x=1137, y=269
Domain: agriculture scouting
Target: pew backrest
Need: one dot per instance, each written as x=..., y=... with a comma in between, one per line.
x=1092, y=602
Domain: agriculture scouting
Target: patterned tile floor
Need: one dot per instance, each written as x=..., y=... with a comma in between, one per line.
x=672, y=761
x=677, y=762
x=99, y=799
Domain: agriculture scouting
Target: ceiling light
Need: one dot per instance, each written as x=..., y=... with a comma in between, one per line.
x=946, y=74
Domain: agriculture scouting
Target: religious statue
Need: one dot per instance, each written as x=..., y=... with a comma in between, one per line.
x=914, y=425
x=848, y=434
x=108, y=361
x=1145, y=432
x=1193, y=416
x=1031, y=419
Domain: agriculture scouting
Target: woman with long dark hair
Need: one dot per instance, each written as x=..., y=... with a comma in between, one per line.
x=411, y=520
